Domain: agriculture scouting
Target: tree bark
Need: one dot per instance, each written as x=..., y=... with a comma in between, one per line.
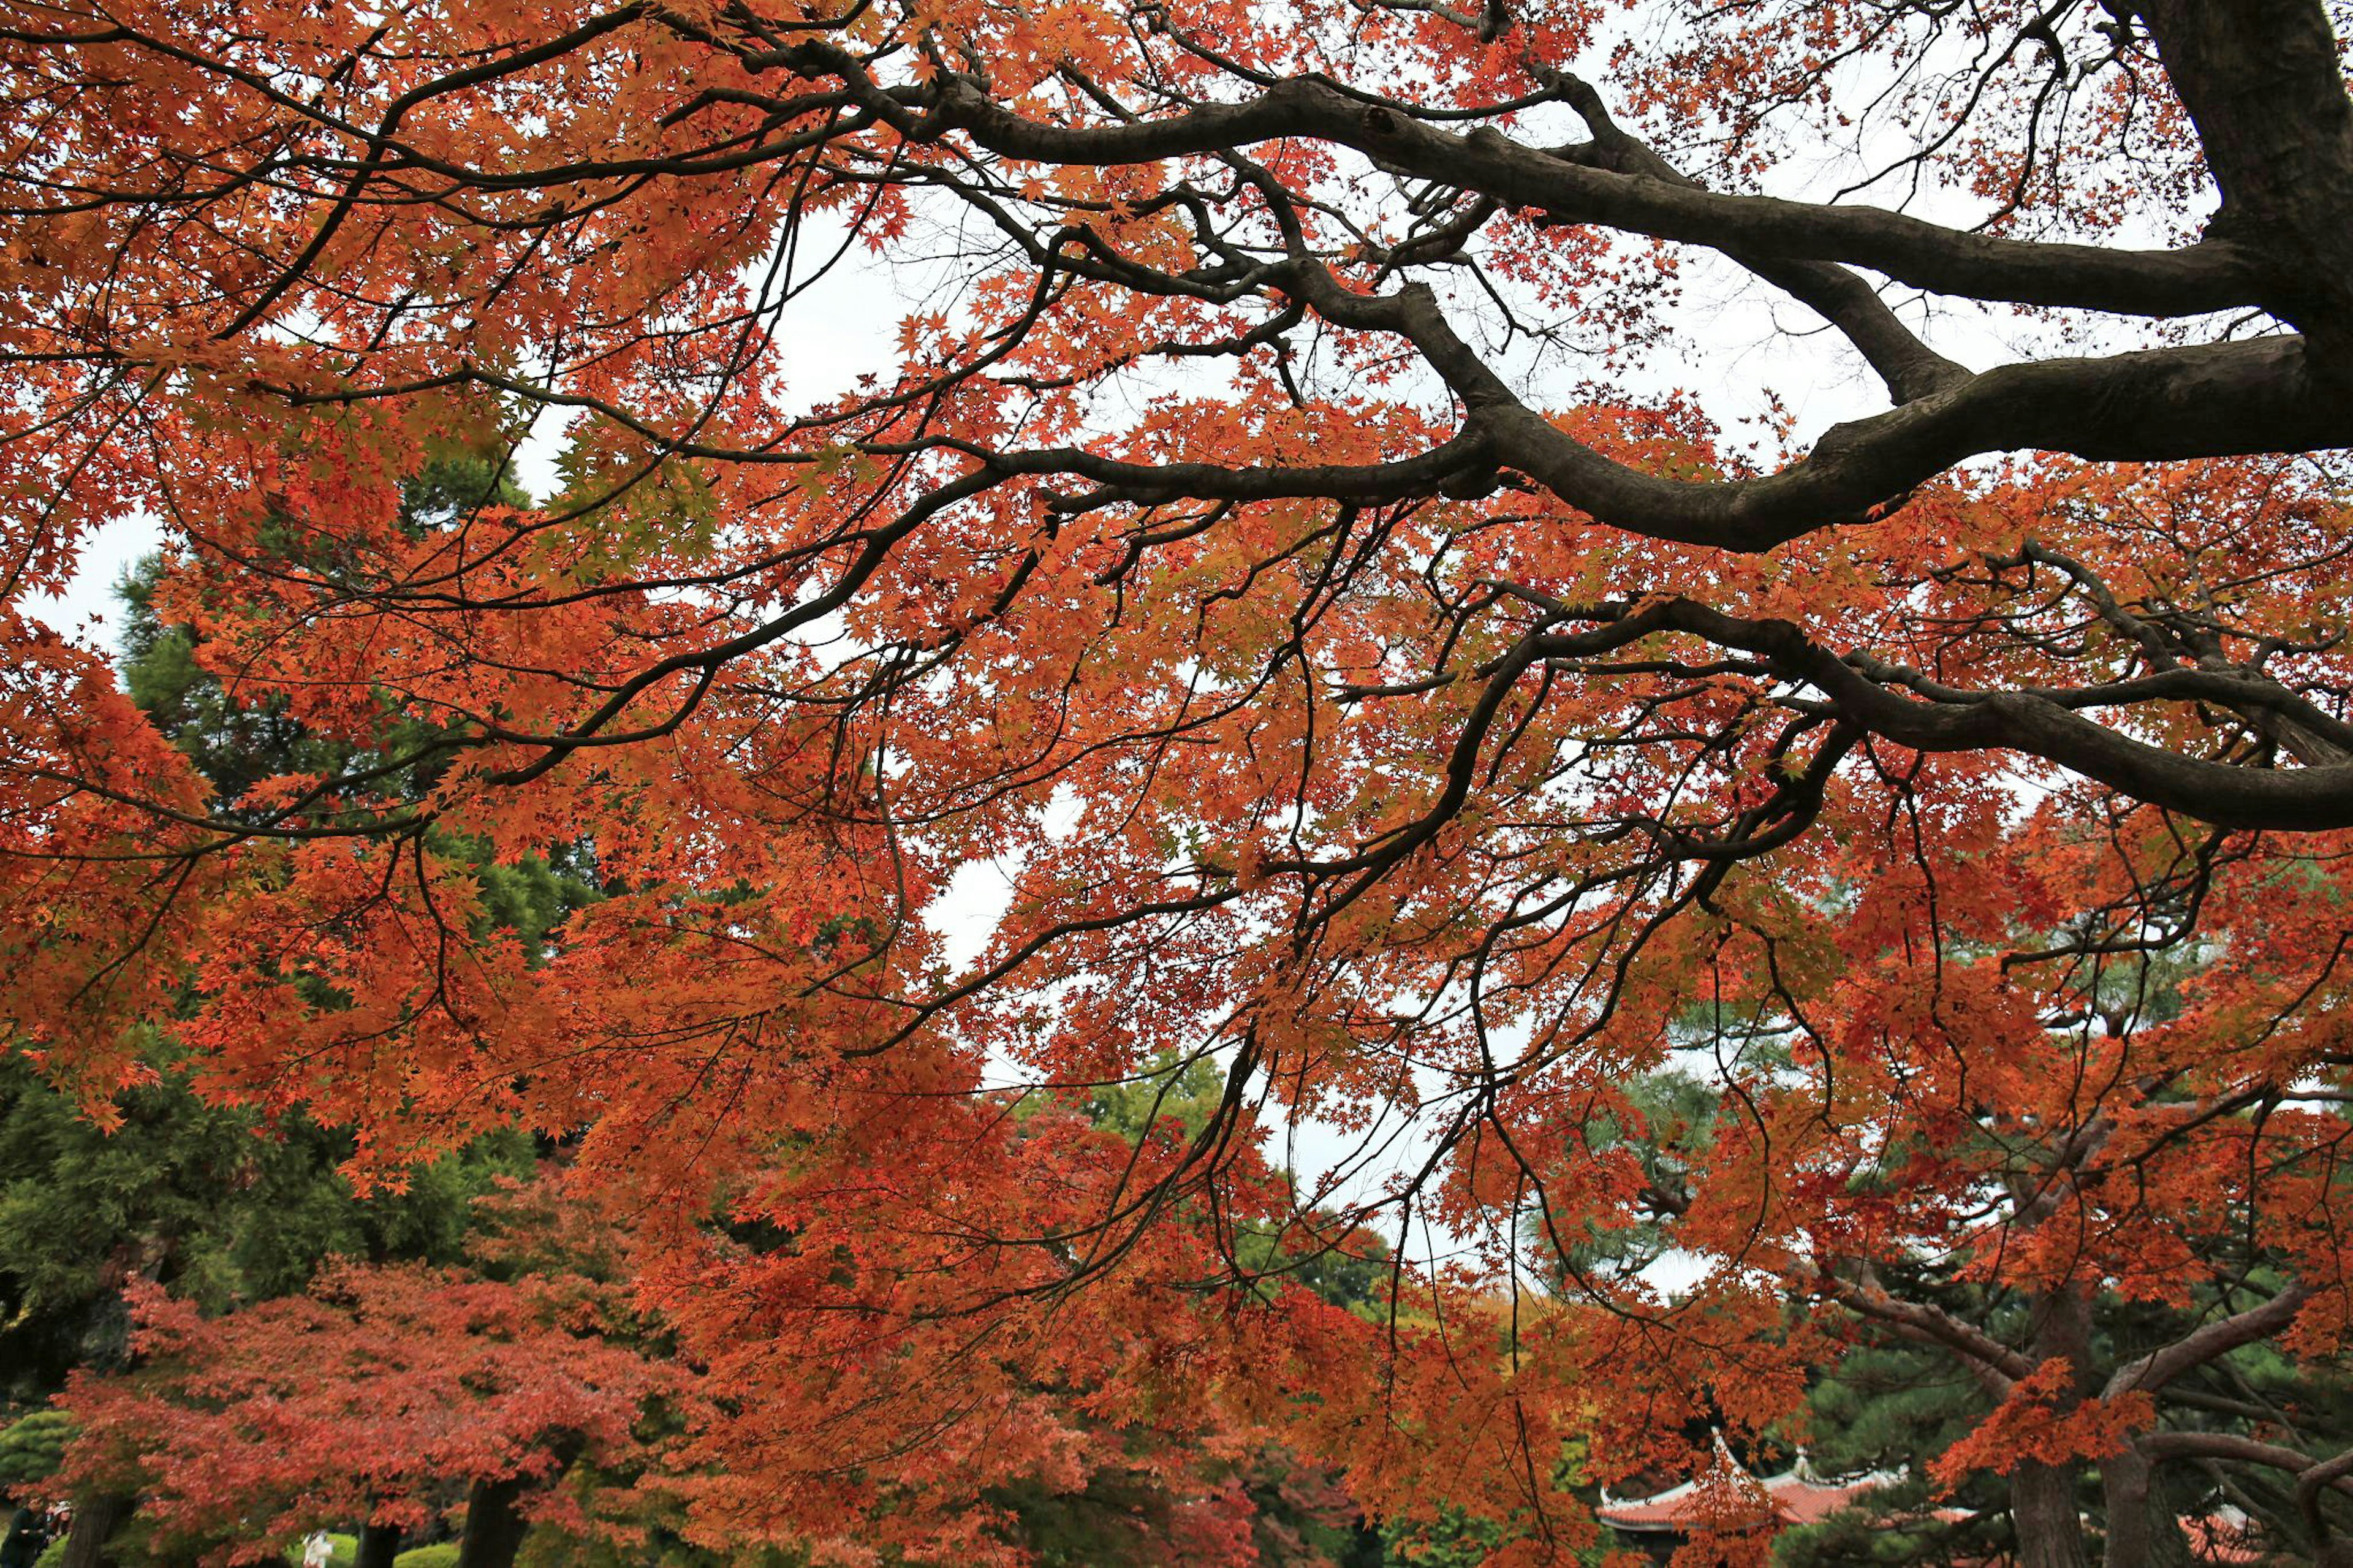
x=379, y=1544
x=494, y=1526
x=2143, y=1530
x=2042, y=1508
x=95, y=1521
x=2260, y=78
x=2042, y=1497
x=2332, y=1550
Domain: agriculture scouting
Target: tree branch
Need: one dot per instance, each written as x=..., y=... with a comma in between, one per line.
x=2213, y=275
x=2161, y=1366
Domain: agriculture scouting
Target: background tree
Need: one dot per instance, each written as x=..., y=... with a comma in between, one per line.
x=202, y=1198
x=356, y=1400
x=1278, y=551
x=221, y=1204
x=1983, y=1340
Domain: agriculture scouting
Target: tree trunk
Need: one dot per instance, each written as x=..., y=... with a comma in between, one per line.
x=379, y=1544
x=2042, y=1497
x=2143, y=1532
x=494, y=1526
x=95, y=1521
x=2260, y=78
x=2042, y=1507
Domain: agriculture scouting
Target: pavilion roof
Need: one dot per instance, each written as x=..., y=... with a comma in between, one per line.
x=1727, y=1498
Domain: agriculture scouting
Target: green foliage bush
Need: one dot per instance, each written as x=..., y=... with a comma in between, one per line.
x=32, y=1447
x=226, y=1210
x=440, y=1554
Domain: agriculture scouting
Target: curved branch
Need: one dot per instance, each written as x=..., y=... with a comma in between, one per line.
x=2304, y=799
x=2224, y=399
x=1995, y=1365
x=2213, y=275
x=2159, y=1367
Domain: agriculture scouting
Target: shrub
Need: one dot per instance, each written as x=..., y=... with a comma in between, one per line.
x=33, y=1448
x=440, y=1554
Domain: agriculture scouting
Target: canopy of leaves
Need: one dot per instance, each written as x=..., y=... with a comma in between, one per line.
x=347, y=1402
x=1302, y=548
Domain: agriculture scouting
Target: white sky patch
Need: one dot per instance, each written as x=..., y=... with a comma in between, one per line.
x=969, y=908
x=88, y=612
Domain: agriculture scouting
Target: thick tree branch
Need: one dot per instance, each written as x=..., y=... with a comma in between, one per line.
x=2161, y=1366
x=2209, y=401
x=1993, y=1364
x=2220, y=400
x=2225, y=794
x=2231, y=1446
x=2263, y=81
x=2215, y=274
x=1909, y=367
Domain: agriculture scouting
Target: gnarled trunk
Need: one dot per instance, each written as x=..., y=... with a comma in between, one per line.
x=2042, y=1497
x=2260, y=78
x=95, y=1520
x=2143, y=1529
x=494, y=1526
x=379, y=1544
x=2042, y=1507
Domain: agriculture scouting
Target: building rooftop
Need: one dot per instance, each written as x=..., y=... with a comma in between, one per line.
x=1728, y=1497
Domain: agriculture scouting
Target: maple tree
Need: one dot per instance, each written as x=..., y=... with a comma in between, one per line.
x=192, y=1195
x=351, y=1401
x=1280, y=557
x=2104, y=1344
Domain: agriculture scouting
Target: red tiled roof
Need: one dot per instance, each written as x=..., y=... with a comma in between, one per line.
x=1663, y=1510
x=1729, y=1499
x=2221, y=1537
x=1789, y=1497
